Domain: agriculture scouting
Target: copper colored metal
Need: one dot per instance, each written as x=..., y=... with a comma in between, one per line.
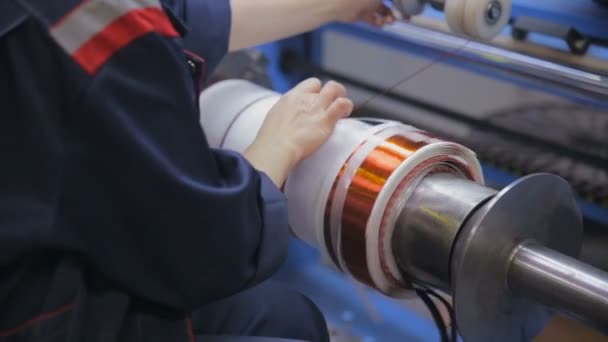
x=363, y=192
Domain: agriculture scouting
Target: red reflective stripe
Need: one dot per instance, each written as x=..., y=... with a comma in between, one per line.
x=42, y=317
x=96, y=51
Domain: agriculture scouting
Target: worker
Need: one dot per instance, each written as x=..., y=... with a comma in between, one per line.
x=117, y=221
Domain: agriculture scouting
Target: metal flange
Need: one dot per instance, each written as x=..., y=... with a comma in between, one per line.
x=539, y=208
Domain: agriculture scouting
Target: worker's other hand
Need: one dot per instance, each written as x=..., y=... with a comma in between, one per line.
x=373, y=12
x=298, y=124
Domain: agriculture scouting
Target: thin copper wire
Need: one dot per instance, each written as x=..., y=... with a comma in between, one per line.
x=442, y=56
x=361, y=196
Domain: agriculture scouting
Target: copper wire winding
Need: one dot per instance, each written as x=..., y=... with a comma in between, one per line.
x=363, y=192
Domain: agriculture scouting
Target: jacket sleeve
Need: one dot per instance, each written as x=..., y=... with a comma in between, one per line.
x=208, y=24
x=187, y=224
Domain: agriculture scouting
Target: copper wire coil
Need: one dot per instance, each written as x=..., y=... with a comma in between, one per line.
x=361, y=196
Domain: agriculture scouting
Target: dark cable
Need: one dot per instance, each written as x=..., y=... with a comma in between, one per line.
x=443, y=331
x=448, y=306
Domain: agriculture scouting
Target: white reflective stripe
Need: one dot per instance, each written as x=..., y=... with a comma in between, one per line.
x=91, y=18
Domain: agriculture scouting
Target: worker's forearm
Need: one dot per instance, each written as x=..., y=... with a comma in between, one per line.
x=274, y=161
x=261, y=21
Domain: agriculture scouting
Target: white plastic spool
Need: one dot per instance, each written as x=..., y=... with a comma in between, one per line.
x=468, y=17
x=454, y=15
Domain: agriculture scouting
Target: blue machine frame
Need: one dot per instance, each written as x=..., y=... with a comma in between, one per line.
x=338, y=297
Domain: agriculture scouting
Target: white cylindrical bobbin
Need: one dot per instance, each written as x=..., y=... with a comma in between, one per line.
x=233, y=111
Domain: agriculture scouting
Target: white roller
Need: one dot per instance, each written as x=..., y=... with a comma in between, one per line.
x=468, y=17
x=475, y=22
x=454, y=15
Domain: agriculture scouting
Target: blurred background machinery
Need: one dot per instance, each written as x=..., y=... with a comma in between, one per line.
x=529, y=97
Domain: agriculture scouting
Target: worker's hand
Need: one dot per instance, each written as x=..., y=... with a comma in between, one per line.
x=373, y=12
x=299, y=123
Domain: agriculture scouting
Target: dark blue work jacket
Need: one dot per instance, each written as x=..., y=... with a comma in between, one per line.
x=116, y=218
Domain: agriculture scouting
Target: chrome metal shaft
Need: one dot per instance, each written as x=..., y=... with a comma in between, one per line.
x=560, y=282
x=427, y=227
x=506, y=257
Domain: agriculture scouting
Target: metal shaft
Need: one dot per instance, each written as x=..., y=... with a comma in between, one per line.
x=560, y=282
x=427, y=227
x=501, y=286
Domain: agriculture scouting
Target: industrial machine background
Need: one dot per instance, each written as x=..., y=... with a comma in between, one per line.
x=524, y=107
